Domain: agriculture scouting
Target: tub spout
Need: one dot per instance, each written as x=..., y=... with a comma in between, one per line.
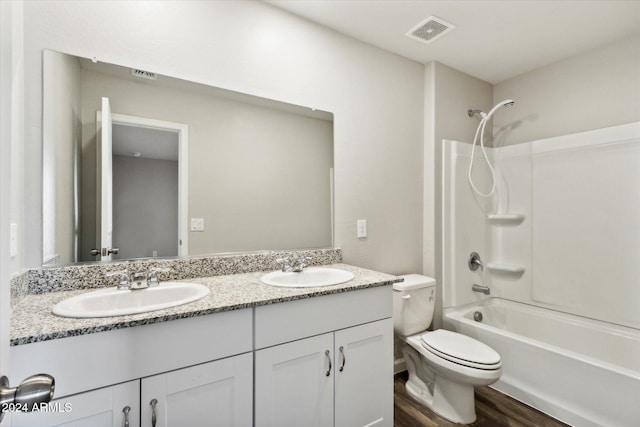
x=482, y=289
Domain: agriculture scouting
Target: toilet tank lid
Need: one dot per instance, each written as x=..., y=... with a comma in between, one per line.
x=414, y=281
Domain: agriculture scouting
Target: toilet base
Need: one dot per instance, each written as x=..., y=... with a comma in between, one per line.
x=459, y=409
x=450, y=399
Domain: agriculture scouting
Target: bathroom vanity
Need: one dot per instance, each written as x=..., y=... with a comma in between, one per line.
x=247, y=354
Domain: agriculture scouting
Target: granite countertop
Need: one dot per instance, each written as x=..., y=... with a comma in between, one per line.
x=32, y=320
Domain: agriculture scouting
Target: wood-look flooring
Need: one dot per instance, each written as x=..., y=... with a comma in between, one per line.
x=493, y=409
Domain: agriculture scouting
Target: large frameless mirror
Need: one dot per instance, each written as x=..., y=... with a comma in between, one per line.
x=139, y=165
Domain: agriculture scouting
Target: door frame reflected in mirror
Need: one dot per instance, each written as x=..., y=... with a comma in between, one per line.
x=182, y=131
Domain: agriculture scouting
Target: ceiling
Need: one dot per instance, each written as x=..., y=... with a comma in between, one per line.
x=144, y=142
x=493, y=40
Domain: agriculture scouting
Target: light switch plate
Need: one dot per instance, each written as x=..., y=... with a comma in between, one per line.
x=361, y=226
x=197, y=224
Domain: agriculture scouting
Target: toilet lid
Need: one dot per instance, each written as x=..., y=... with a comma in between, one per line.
x=461, y=349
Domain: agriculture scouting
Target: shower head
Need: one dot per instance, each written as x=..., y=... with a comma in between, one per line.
x=485, y=116
x=505, y=103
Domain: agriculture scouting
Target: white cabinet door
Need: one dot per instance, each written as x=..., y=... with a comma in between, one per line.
x=103, y=407
x=294, y=384
x=218, y=393
x=364, y=375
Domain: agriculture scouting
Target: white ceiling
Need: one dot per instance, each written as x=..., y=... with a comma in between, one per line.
x=150, y=143
x=493, y=40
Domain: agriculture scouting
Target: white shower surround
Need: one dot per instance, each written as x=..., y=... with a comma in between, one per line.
x=567, y=240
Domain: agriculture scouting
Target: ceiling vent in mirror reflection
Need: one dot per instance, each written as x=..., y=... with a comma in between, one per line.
x=144, y=74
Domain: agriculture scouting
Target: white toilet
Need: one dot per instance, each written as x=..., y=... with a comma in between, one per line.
x=443, y=366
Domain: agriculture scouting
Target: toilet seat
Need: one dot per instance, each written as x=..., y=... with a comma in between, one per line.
x=461, y=349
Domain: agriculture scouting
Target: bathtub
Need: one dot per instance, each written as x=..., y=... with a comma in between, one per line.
x=580, y=371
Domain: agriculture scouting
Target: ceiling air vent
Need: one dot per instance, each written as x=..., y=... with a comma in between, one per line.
x=144, y=74
x=430, y=29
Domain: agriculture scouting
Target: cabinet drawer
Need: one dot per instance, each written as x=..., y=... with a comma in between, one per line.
x=97, y=360
x=279, y=323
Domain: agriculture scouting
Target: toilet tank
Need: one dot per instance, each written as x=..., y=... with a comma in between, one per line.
x=413, y=304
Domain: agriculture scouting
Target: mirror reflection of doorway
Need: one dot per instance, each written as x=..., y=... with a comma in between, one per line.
x=142, y=187
x=145, y=191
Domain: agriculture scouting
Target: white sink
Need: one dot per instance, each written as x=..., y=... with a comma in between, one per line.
x=113, y=302
x=308, y=278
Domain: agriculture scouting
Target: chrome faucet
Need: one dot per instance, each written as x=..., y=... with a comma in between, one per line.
x=139, y=280
x=475, y=262
x=482, y=289
x=296, y=266
x=152, y=276
x=125, y=281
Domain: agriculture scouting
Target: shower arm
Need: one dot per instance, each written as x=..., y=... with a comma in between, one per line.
x=472, y=113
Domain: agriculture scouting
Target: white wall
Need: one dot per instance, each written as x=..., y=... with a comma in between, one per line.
x=145, y=200
x=596, y=89
x=11, y=123
x=16, y=128
x=376, y=98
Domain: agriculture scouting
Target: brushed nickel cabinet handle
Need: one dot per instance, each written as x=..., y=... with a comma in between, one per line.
x=344, y=358
x=328, y=354
x=153, y=404
x=126, y=411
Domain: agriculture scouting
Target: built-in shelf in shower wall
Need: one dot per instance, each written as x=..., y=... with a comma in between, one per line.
x=507, y=269
x=506, y=218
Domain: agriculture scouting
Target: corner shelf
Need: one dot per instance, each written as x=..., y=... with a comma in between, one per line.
x=506, y=218
x=512, y=269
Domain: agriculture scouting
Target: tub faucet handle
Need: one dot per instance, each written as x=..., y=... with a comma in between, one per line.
x=475, y=262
